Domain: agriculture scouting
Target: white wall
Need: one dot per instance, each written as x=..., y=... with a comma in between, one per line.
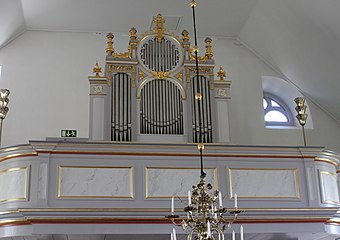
x=46, y=73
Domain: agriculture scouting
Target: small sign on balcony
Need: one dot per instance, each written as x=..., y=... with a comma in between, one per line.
x=69, y=133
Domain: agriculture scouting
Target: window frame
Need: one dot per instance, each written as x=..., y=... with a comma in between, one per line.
x=283, y=108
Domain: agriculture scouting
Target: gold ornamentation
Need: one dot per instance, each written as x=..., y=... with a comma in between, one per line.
x=160, y=75
x=123, y=54
x=97, y=69
x=159, y=28
x=185, y=36
x=221, y=74
x=109, y=80
x=193, y=3
x=195, y=49
x=142, y=74
x=98, y=88
x=109, y=49
x=121, y=68
x=202, y=70
x=200, y=59
x=180, y=76
x=208, y=46
x=133, y=33
x=222, y=93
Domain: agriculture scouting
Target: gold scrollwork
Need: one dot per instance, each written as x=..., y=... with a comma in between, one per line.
x=122, y=68
x=160, y=75
x=180, y=76
x=142, y=74
x=202, y=70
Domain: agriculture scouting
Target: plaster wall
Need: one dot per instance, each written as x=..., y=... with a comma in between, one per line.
x=47, y=72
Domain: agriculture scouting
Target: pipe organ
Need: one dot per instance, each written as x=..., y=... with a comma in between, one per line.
x=147, y=93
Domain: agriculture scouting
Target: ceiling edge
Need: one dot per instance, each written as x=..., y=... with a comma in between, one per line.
x=283, y=76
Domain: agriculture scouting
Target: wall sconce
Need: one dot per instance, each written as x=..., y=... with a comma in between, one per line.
x=301, y=114
x=3, y=107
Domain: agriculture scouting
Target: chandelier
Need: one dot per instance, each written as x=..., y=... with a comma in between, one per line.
x=205, y=218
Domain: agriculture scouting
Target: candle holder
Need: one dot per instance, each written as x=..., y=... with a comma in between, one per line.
x=204, y=219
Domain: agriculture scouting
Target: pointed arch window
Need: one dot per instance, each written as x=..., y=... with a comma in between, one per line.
x=276, y=112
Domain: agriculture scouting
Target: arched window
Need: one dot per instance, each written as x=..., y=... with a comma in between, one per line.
x=276, y=112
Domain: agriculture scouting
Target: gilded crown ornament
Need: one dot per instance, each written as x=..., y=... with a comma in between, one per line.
x=221, y=74
x=159, y=27
x=97, y=69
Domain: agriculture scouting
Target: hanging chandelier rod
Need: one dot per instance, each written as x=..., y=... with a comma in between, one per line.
x=198, y=95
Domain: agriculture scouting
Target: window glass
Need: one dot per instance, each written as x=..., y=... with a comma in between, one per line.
x=275, y=116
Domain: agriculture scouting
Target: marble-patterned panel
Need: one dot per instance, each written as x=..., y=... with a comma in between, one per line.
x=95, y=182
x=264, y=183
x=42, y=181
x=163, y=182
x=14, y=184
x=329, y=187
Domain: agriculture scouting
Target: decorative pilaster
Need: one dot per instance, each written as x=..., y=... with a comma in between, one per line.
x=98, y=105
x=222, y=95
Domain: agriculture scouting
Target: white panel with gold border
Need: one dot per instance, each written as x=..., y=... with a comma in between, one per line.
x=264, y=183
x=95, y=182
x=14, y=184
x=328, y=182
x=164, y=182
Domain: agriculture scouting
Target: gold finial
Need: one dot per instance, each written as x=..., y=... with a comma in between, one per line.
x=109, y=48
x=159, y=26
x=221, y=73
x=208, y=46
x=97, y=69
x=193, y=3
x=185, y=36
x=198, y=96
x=200, y=146
x=133, y=33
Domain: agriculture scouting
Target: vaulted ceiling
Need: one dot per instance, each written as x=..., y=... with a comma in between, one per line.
x=300, y=39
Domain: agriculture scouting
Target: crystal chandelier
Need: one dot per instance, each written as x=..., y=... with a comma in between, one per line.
x=205, y=212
